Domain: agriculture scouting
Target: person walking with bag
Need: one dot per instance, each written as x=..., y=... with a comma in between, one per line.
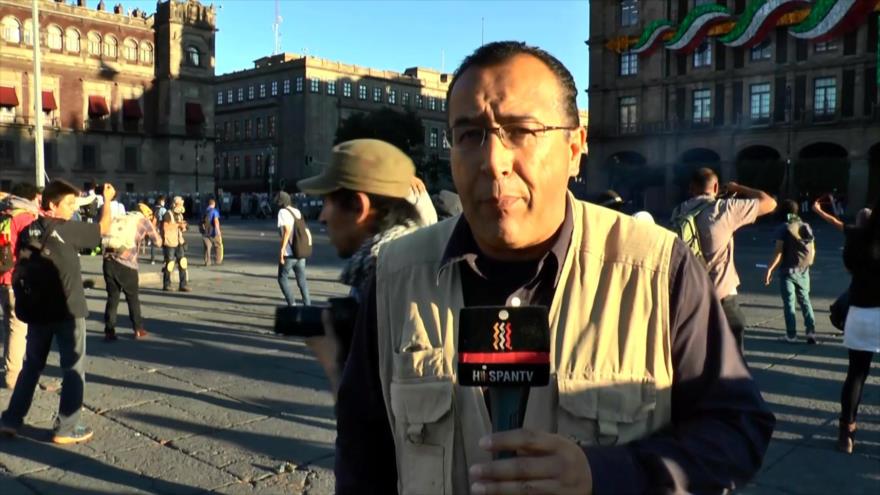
x=794, y=255
x=211, y=237
x=296, y=246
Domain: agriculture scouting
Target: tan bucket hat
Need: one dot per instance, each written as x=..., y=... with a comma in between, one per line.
x=365, y=165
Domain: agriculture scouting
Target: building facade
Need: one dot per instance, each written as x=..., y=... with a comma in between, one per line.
x=126, y=97
x=776, y=94
x=276, y=123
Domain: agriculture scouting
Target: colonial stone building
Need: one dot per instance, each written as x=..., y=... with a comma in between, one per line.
x=126, y=97
x=778, y=94
x=276, y=123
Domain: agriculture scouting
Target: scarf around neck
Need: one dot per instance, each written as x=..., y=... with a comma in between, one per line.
x=361, y=267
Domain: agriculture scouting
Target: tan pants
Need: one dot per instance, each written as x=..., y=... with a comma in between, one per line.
x=216, y=244
x=14, y=336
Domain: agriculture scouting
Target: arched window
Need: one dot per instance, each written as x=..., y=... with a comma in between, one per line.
x=73, y=41
x=130, y=50
x=54, y=38
x=95, y=44
x=111, y=47
x=193, y=56
x=11, y=30
x=28, y=29
x=146, y=53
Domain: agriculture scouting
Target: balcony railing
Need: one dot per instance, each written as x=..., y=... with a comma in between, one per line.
x=806, y=118
x=18, y=120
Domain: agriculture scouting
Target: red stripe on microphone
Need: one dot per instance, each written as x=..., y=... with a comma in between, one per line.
x=515, y=357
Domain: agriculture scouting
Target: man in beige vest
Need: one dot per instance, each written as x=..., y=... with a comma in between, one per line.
x=648, y=391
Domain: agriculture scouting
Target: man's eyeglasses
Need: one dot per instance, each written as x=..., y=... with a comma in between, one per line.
x=520, y=135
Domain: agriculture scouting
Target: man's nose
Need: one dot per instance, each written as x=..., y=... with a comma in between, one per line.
x=497, y=158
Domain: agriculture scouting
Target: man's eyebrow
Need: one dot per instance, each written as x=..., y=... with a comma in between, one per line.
x=504, y=119
x=516, y=118
x=468, y=120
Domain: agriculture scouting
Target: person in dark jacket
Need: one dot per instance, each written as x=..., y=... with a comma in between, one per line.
x=861, y=255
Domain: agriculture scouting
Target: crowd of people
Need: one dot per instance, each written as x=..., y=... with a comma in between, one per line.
x=651, y=391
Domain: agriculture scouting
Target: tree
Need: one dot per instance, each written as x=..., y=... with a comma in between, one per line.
x=403, y=130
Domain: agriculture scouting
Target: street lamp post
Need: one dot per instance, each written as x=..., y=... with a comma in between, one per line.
x=196, y=169
x=38, y=99
x=199, y=148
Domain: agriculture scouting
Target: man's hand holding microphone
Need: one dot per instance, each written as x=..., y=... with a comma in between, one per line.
x=506, y=350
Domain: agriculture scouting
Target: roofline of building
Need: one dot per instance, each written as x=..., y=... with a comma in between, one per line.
x=288, y=60
x=98, y=15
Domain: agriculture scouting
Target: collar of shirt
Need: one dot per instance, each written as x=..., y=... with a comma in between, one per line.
x=463, y=247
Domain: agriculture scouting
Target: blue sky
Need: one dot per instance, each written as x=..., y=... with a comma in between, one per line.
x=394, y=35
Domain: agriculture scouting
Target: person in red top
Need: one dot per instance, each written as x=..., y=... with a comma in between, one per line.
x=22, y=207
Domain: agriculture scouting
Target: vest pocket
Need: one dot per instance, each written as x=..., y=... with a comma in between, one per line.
x=424, y=428
x=605, y=411
x=418, y=364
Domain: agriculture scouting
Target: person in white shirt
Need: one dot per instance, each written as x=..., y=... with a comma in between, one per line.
x=117, y=209
x=287, y=216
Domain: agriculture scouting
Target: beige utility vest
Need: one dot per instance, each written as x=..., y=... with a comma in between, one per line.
x=610, y=347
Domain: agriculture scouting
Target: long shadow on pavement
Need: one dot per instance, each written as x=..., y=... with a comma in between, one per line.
x=84, y=470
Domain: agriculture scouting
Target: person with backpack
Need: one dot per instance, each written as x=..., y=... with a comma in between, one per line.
x=706, y=223
x=16, y=212
x=794, y=255
x=210, y=230
x=49, y=297
x=174, y=245
x=296, y=246
x=121, y=268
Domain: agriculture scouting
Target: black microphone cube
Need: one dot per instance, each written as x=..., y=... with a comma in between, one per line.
x=504, y=346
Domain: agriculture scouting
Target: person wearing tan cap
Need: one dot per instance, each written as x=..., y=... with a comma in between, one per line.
x=367, y=190
x=371, y=194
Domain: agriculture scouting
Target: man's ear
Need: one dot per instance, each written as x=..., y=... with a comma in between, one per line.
x=577, y=145
x=363, y=204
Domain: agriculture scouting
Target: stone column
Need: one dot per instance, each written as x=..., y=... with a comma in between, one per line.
x=857, y=192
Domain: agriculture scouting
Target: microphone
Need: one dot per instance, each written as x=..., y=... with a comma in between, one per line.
x=508, y=350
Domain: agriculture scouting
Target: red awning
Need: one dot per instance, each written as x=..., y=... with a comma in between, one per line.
x=8, y=97
x=98, y=106
x=131, y=110
x=194, y=115
x=49, y=101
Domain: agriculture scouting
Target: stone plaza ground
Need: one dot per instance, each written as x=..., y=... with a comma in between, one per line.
x=214, y=402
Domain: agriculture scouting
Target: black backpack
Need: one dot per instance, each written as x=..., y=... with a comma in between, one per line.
x=301, y=240
x=204, y=225
x=799, y=251
x=36, y=280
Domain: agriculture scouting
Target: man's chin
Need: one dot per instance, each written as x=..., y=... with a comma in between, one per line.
x=502, y=234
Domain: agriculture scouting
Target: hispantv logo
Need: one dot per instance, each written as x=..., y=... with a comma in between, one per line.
x=502, y=376
x=501, y=333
